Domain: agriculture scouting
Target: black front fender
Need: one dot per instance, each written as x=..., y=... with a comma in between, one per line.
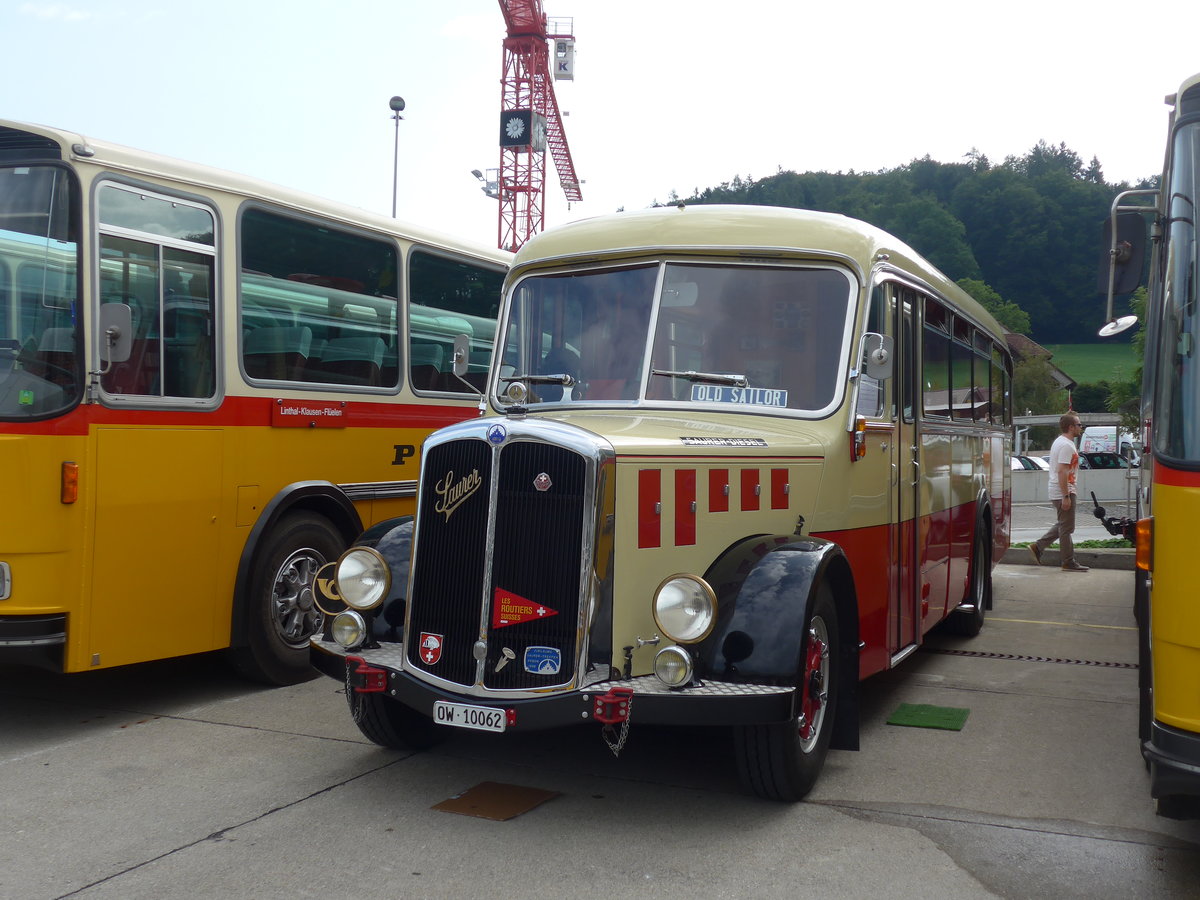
x=764, y=586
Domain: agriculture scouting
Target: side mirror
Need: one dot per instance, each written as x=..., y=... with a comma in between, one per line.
x=462, y=354
x=116, y=332
x=875, y=355
x=1122, y=258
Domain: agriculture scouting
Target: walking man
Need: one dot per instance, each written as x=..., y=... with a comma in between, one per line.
x=1064, y=466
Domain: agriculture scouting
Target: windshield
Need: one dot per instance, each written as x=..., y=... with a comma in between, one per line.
x=722, y=335
x=1177, y=429
x=39, y=360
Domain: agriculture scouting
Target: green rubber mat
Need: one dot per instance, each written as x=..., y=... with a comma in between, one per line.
x=922, y=715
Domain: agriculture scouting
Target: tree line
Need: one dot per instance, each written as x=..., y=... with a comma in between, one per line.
x=1025, y=234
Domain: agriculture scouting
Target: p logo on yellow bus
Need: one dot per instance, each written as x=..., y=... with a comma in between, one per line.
x=325, y=591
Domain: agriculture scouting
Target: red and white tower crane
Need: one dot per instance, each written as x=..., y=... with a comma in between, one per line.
x=530, y=123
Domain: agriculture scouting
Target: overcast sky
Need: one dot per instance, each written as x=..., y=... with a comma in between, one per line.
x=669, y=95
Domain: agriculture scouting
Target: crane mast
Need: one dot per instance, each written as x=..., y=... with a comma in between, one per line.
x=530, y=124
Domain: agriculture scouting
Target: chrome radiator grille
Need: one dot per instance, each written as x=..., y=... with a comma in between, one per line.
x=498, y=559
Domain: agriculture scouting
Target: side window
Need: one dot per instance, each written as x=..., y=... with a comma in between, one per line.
x=871, y=392
x=157, y=256
x=935, y=361
x=449, y=297
x=317, y=304
x=962, y=387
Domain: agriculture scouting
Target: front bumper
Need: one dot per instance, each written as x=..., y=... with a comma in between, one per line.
x=712, y=703
x=1174, y=758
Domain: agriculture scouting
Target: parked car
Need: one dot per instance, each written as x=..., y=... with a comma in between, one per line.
x=1103, y=460
x=1041, y=462
x=1027, y=462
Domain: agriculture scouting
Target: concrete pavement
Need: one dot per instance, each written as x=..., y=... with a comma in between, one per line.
x=175, y=779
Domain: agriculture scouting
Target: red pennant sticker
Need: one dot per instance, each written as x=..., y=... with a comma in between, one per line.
x=511, y=609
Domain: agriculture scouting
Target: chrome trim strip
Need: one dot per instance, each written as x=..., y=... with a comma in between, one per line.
x=47, y=641
x=380, y=490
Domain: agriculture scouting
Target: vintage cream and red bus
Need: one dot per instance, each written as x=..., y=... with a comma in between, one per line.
x=1165, y=596
x=741, y=457
x=209, y=386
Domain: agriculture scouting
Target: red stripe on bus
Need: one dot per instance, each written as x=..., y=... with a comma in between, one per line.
x=1175, y=477
x=242, y=412
x=685, y=507
x=649, y=508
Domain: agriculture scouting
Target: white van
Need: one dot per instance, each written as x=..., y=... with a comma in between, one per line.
x=1110, y=439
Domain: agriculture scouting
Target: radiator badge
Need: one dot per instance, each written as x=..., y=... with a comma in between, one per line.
x=452, y=494
x=431, y=648
x=542, y=660
x=511, y=609
x=496, y=434
x=542, y=482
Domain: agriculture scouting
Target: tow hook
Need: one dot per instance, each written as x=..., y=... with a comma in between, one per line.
x=363, y=678
x=612, y=709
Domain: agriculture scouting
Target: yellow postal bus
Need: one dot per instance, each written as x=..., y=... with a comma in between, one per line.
x=209, y=386
x=1165, y=596
x=738, y=458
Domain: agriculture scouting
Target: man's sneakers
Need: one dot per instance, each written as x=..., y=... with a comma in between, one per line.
x=1037, y=553
x=1074, y=567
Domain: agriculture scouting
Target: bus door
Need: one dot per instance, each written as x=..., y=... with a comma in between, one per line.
x=907, y=485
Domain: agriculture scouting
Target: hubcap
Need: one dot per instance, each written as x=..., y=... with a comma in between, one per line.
x=294, y=613
x=815, y=690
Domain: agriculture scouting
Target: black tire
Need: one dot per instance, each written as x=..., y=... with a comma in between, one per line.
x=781, y=760
x=281, y=614
x=390, y=723
x=968, y=621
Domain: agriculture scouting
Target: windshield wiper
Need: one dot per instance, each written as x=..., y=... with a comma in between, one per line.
x=706, y=377
x=563, y=378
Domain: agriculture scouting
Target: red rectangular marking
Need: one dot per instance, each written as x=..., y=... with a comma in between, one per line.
x=649, y=508
x=718, y=490
x=750, y=489
x=685, y=507
x=309, y=414
x=779, y=489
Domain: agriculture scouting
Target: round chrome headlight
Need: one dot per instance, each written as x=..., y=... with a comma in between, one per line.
x=348, y=629
x=363, y=578
x=685, y=608
x=673, y=666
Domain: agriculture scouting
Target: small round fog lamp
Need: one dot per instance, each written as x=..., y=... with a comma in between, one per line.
x=685, y=608
x=363, y=578
x=348, y=629
x=673, y=666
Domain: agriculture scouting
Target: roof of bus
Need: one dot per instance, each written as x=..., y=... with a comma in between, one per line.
x=134, y=162
x=758, y=232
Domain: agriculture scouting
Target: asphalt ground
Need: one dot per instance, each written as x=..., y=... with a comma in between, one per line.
x=176, y=779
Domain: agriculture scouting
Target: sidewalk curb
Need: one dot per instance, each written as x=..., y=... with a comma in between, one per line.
x=1115, y=558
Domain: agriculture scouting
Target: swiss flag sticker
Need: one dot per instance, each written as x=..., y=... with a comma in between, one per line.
x=512, y=609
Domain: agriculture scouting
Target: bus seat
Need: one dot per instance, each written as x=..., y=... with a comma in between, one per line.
x=425, y=366
x=354, y=360
x=277, y=353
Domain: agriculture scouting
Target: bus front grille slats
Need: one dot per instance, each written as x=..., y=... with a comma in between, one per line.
x=536, y=556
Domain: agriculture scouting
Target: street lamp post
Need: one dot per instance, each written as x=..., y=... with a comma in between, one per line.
x=396, y=104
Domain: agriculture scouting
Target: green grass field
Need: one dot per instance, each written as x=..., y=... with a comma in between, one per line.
x=1092, y=363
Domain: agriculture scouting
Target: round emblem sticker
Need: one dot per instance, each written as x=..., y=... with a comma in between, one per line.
x=496, y=434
